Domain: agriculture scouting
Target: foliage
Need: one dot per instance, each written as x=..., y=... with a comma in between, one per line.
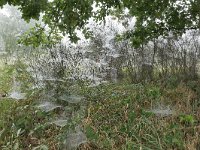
x=36, y=36
x=6, y=78
x=11, y=27
x=18, y=71
x=187, y=119
x=5, y=106
x=25, y=127
x=154, y=18
x=119, y=118
x=22, y=126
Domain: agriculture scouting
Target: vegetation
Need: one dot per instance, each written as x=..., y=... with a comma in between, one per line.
x=118, y=116
x=154, y=18
x=127, y=87
x=121, y=117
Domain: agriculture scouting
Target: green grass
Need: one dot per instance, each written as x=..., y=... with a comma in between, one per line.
x=5, y=106
x=22, y=126
x=6, y=76
x=118, y=117
x=27, y=127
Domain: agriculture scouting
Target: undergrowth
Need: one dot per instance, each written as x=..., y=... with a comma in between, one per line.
x=118, y=116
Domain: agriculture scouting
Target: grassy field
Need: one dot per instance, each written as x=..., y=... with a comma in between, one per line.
x=118, y=116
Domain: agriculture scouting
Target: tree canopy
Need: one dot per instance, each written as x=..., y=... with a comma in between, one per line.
x=154, y=17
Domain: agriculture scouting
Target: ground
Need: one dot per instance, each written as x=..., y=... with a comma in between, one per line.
x=118, y=116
